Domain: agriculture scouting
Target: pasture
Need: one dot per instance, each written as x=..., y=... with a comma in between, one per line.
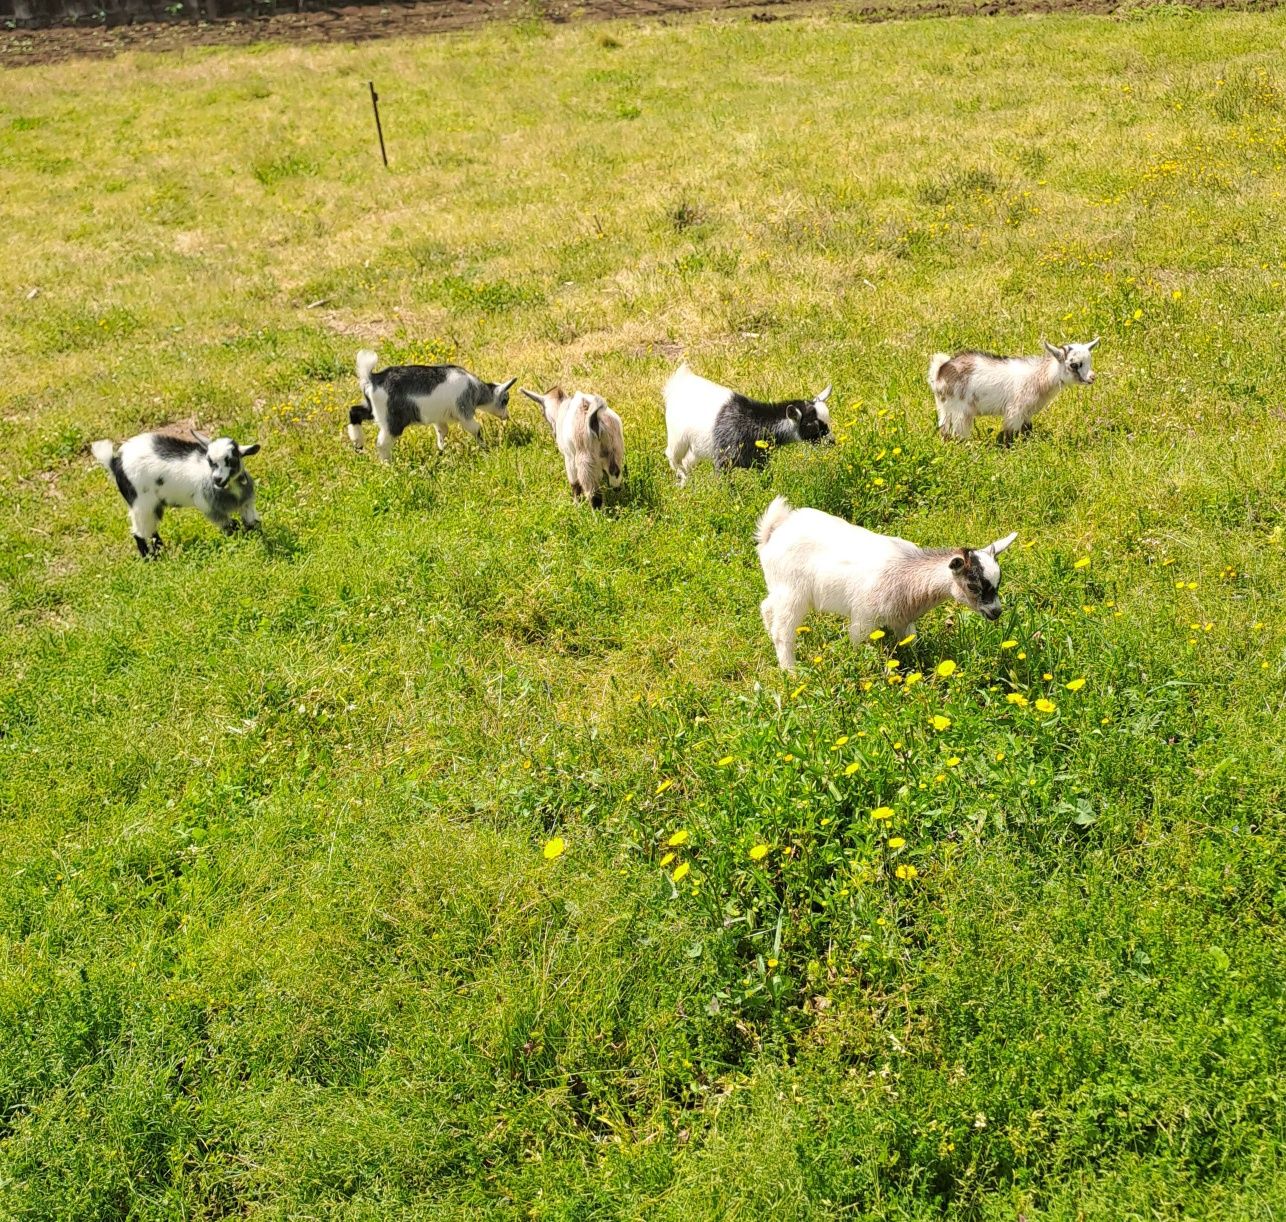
x=448, y=849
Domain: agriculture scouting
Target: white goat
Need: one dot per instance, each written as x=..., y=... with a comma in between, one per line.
x=706, y=420
x=813, y=561
x=159, y=471
x=1016, y=388
x=422, y=394
x=590, y=438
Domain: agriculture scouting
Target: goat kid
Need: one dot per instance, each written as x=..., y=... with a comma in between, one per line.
x=402, y=395
x=1016, y=388
x=159, y=471
x=704, y=420
x=813, y=561
x=590, y=438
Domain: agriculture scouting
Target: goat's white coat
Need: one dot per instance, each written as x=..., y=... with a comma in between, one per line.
x=813, y=561
x=589, y=453
x=1016, y=388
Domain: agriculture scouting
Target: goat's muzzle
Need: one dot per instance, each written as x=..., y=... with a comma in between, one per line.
x=992, y=613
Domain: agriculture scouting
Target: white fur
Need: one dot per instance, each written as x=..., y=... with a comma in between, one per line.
x=589, y=453
x=1015, y=388
x=813, y=561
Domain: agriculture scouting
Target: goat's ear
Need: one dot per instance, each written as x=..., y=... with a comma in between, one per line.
x=822, y=396
x=202, y=438
x=1001, y=544
x=504, y=387
x=957, y=563
x=594, y=422
x=794, y=413
x=534, y=397
x=1093, y=343
x=1054, y=350
x=246, y=451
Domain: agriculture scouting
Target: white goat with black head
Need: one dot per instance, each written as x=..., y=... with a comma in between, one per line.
x=704, y=420
x=590, y=437
x=159, y=471
x=813, y=561
x=402, y=395
x=1015, y=388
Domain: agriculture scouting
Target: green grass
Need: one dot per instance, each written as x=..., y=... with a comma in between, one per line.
x=279, y=936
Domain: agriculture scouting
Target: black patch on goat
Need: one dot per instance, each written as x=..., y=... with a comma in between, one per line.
x=171, y=448
x=401, y=384
x=360, y=413
x=123, y=483
x=741, y=422
x=227, y=500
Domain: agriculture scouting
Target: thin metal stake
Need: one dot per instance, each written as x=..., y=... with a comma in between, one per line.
x=375, y=105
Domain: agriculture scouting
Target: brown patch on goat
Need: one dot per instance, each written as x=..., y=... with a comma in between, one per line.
x=956, y=372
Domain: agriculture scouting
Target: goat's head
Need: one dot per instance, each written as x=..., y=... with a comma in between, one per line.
x=224, y=457
x=498, y=403
x=1074, y=360
x=549, y=404
x=976, y=577
x=812, y=418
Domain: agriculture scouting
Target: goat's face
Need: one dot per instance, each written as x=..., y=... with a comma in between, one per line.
x=498, y=405
x=976, y=573
x=1077, y=360
x=224, y=457
x=812, y=418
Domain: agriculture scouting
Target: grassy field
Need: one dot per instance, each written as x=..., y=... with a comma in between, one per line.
x=284, y=927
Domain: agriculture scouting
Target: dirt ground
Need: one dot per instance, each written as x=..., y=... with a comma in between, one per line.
x=359, y=23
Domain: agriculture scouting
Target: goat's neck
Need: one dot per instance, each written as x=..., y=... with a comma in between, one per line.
x=916, y=583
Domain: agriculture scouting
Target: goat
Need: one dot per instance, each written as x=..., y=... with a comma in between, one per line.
x=590, y=438
x=813, y=561
x=1015, y=388
x=422, y=394
x=706, y=420
x=159, y=471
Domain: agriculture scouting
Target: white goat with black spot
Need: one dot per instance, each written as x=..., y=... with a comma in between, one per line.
x=403, y=395
x=159, y=471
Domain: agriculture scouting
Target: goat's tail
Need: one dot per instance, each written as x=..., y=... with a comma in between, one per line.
x=935, y=367
x=771, y=518
x=103, y=452
x=366, y=362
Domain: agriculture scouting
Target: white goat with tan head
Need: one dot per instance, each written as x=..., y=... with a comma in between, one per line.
x=1015, y=388
x=813, y=561
x=590, y=438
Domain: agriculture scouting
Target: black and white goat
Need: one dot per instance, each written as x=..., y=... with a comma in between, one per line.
x=590, y=437
x=402, y=395
x=813, y=561
x=704, y=420
x=159, y=471
x=1016, y=388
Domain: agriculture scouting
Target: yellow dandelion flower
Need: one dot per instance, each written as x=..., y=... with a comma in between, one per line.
x=1017, y=698
x=878, y=634
x=953, y=762
x=914, y=677
x=554, y=848
x=906, y=872
x=1176, y=294
x=669, y=857
x=1137, y=315
x=1000, y=755
x=723, y=763
x=852, y=768
x=1010, y=644
x=759, y=852
x=761, y=444
x=946, y=669
x=882, y=812
x=1045, y=706
x=941, y=723
x=896, y=842
x=1082, y=563
x=772, y=962
x=802, y=629
x=679, y=837
x=1022, y=655
x=788, y=758
x=680, y=872
x=906, y=640
x=892, y=664
x=1075, y=685
x=664, y=785
x=840, y=741
x=799, y=689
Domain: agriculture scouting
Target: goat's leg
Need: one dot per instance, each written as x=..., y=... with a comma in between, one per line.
x=675, y=453
x=1014, y=421
x=473, y=428
x=441, y=430
x=249, y=515
x=860, y=629
x=144, y=518
x=788, y=616
x=384, y=445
